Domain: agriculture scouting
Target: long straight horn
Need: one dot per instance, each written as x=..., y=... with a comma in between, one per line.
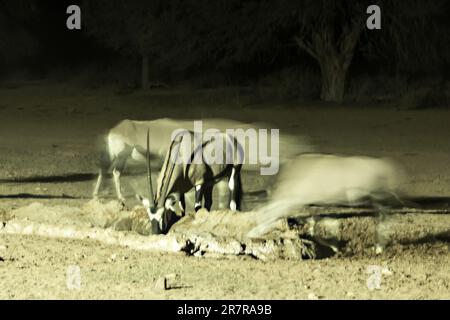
x=172, y=167
x=149, y=171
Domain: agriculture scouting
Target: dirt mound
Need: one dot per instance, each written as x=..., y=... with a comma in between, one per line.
x=56, y=215
x=220, y=233
x=113, y=215
x=357, y=233
x=223, y=232
x=220, y=223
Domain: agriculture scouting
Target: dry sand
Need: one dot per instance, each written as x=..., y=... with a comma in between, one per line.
x=48, y=154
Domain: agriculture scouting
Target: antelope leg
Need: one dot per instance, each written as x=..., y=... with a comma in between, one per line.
x=232, y=186
x=223, y=193
x=208, y=193
x=98, y=184
x=198, y=197
x=182, y=204
x=116, y=175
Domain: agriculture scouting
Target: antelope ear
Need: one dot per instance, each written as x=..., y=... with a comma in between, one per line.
x=145, y=202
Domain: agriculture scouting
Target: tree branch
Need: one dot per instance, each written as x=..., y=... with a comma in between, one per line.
x=306, y=46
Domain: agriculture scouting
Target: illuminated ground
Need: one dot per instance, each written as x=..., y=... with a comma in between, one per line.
x=48, y=143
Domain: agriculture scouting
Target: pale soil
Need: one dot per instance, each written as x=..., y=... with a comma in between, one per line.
x=36, y=268
x=48, y=153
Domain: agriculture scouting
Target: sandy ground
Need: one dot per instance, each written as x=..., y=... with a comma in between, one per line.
x=37, y=268
x=48, y=154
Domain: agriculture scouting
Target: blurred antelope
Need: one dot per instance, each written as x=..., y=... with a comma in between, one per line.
x=127, y=140
x=322, y=179
x=192, y=167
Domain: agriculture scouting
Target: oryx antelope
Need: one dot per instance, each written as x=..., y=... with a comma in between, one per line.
x=322, y=179
x=127, y=140
x=189, y=165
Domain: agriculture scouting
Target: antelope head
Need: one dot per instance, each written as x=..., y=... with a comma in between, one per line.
x=160, y=215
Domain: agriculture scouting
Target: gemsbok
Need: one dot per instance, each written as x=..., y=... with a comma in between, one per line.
x=127, y=140
x=191, y=165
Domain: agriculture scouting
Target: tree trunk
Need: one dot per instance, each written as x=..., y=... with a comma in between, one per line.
x=145, y=72
x=334, y=57
x=334, y=75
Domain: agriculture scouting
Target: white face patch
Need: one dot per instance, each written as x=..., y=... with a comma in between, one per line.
x=157, y=216
x=152, y=216
x=169, y=205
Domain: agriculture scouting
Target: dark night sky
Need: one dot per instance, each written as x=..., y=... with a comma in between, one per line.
x=71, y=48
x=60, y=44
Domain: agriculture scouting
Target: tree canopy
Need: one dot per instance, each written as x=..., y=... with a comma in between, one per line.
x=183, y=35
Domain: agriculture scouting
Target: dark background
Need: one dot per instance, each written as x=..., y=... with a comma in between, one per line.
x=292, y=49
